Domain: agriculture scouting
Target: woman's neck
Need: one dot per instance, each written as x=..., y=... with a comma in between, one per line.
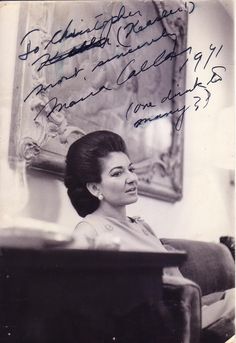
x=118, y=213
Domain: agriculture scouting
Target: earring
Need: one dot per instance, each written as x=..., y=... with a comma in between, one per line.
x=100, y=197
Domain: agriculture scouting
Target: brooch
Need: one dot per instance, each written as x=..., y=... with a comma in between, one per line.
x=109, y=227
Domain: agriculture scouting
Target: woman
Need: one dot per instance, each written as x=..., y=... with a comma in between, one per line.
x=101, y=182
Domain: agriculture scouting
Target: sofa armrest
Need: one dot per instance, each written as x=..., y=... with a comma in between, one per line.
x=229, y=241
x=208, y=264
x=182, y=308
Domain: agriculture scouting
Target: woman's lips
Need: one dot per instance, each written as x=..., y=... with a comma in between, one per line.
x=131, y=190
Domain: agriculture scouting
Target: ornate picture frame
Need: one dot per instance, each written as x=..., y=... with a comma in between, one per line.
x=84, y=66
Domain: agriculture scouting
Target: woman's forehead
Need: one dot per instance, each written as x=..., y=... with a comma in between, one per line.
x=115, y=159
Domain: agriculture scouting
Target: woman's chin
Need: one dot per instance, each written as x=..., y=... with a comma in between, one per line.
x=133, y=198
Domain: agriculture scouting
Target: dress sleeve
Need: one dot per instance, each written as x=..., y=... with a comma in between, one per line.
x=84, y=236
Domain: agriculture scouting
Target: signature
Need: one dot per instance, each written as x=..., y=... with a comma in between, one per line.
x=54, y=105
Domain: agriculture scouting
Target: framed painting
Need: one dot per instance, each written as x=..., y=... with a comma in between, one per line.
x=115, y=65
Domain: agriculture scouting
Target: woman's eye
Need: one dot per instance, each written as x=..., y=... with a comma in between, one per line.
x=132, y=169
x=118, y=173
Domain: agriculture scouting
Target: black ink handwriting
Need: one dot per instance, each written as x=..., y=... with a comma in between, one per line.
x=137, y=27
x=54, y=105
x=137, y=107
x=170, y=96
x=215, y=76
x=198, y=57
x=161, y=58
x=138, y=47
x=29, y=51
x=61, y=35
x=196, y=102
x=178, y=123
x=42, y=88
x=85, y=46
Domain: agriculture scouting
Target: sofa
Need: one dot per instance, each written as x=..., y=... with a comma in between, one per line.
x=210, y=267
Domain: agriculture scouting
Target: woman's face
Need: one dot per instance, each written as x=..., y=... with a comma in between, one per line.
x=119, y=181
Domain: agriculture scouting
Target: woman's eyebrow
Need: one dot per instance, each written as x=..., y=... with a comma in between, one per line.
x=121, y=167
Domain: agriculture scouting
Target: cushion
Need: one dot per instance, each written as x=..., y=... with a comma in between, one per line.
x=212, y=298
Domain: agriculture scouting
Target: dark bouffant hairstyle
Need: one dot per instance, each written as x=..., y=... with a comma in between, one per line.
x=83, y=166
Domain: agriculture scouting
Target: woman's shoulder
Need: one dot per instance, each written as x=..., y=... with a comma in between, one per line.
x=88, y=225
x=84, y=227
x=84, y=235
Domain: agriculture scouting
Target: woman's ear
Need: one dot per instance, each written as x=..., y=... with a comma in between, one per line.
x=93, y=188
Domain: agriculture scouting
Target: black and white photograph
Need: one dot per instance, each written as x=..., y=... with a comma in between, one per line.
x=117, y=178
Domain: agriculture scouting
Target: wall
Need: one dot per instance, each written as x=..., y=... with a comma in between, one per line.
x=207, y=208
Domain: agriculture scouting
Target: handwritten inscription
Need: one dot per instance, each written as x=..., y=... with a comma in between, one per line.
x=114, y=52
x=200, y=101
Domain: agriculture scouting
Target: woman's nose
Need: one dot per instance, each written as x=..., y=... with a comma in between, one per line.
x=131, y=177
